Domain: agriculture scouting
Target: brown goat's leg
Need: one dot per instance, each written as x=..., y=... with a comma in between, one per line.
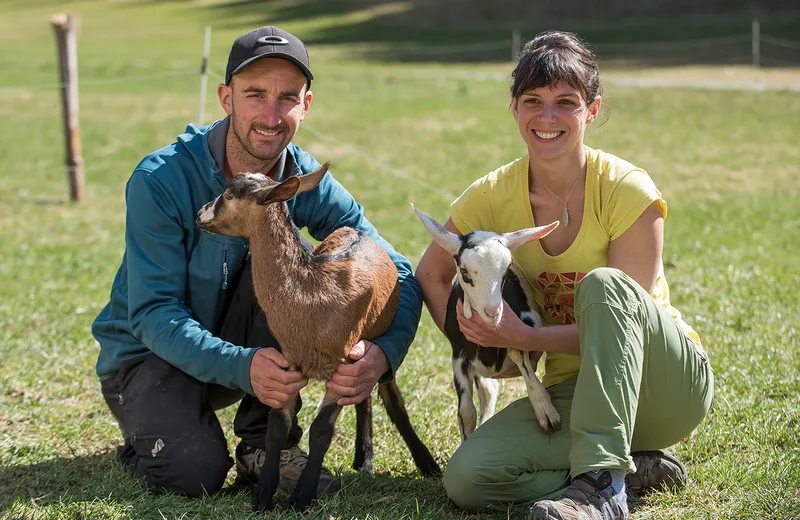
x=396, y=408
x=280, y=420
x=319, y=439
x=363, y=458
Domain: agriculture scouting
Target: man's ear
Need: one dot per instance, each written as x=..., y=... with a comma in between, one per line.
x=307, y=98
x=225, y=94
x=515, y=108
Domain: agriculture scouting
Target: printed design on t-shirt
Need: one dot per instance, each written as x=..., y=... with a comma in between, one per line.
x=559, y=294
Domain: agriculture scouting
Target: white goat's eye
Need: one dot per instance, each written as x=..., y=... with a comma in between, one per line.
x=467, y=279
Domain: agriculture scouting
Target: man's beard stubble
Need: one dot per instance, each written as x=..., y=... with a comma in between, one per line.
x=247, y=152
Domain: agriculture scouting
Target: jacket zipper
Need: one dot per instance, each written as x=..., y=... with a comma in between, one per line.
x=225, y=270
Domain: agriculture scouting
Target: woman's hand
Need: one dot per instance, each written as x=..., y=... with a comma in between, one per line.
x=511, y=332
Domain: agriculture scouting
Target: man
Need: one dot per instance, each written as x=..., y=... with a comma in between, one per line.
x=182, y=334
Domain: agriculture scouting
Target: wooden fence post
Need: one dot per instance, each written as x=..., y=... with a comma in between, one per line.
x=756, y=44
x=201, y=116
x=516, y=44
x=65, y=27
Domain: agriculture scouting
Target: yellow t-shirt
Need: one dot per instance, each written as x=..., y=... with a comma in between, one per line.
x=617, y=193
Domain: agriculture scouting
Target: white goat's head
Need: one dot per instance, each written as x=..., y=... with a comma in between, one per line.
x=482, y=259
x=234, y=211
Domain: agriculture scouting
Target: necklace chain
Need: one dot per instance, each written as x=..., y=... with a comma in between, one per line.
x=565, y=213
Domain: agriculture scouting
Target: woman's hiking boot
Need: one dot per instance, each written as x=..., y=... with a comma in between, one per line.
x=587, y=498
x=655, y=470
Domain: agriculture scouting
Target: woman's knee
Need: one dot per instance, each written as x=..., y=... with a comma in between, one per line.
x=605, y=285
x=460, y=484
x=594, y=285
x=469, y=477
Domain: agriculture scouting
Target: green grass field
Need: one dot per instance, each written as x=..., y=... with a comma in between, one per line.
x=728, y=162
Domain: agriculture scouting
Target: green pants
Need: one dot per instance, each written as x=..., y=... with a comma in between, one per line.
x=642, y=385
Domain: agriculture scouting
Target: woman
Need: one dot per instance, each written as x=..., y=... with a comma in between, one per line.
x=626, y=373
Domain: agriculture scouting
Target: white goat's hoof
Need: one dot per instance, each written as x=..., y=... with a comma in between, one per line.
x=549, y=420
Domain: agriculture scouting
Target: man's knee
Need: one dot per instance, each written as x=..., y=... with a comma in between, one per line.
x=463, y=482
x=196, y=465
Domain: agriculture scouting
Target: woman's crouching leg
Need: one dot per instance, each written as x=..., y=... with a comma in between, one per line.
x=509, y=459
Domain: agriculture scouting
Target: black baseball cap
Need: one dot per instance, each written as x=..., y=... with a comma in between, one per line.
x=267, y=42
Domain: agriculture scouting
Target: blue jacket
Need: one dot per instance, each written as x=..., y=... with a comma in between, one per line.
x=170, y=290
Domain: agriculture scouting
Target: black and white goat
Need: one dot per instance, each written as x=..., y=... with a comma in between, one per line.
x=484, y=278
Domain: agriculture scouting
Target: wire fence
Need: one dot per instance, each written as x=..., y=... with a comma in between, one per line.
x=742, y=48
x=772, y=51
x=143, y=78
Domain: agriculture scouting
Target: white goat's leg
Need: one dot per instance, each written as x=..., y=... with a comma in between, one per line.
x=546, y=413
x=462, y=377
x=487, y=396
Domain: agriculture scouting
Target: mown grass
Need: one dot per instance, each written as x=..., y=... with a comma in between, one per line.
x=727, y=162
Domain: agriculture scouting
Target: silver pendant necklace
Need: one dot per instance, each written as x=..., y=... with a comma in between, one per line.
x=565, y=213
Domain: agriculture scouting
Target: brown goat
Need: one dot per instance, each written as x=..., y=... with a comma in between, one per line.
x=319, y=305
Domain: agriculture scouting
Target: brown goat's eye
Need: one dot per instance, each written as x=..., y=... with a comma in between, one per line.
x=227, y=195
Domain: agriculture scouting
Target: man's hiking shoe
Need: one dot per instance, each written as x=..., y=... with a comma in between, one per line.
x=587, y=498
x=250, y=460
x=655, y=470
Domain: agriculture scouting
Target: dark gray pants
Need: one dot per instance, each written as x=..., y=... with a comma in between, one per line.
x=173, y=440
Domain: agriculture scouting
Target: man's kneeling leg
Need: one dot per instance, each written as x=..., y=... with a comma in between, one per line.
x=173, y=439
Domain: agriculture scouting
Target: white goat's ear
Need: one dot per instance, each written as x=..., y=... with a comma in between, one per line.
x=448, y=241
x=309, y=181
x=278, y=193
x=519, y=238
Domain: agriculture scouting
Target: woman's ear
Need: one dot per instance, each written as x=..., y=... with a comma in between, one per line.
x=594, y=109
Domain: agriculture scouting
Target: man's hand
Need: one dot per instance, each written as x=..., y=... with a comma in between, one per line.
x=355, y=381
x=273, y=383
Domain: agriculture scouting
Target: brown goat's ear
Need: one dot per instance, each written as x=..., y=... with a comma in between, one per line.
x=279, y=193
x=309, y=181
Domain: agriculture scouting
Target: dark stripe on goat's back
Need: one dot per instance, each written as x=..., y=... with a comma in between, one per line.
x=342, y=244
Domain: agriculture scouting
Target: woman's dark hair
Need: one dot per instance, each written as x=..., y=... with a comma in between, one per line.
x=553, y=57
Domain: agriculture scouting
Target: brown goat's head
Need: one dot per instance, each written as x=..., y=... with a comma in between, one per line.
x=242, y=199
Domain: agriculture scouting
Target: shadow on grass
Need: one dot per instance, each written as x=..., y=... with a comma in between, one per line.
x=389, y=496
x=96, y=483
x=63, y=483
x=627, y=33
x=51, y=481
x=47, y=201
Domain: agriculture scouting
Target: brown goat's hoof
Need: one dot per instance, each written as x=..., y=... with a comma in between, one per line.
x=431, y=469
x=261, y=500
x=364, y=469
x=297, y=502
